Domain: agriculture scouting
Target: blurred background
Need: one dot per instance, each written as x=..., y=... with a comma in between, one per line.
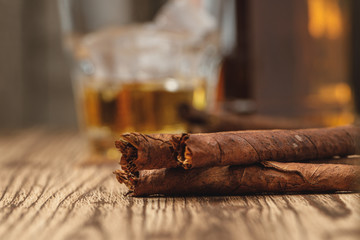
x=290, y=58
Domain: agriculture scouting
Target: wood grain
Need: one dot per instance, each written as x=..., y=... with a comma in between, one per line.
x=46, y=192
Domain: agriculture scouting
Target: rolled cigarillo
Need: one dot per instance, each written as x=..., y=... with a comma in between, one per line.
x=248, y=147
x=270, y=177
x=155, y=151
x=201, y=121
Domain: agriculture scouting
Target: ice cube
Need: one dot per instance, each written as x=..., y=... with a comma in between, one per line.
x=161, y=49
x=186, y=16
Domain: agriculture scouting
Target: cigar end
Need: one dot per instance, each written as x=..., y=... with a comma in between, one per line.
x=127, y=178
x=128, y=174
x=128, y=155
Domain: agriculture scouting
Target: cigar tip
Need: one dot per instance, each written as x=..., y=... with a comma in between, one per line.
x=128, y=154
x=127, y=178
x=121, y=143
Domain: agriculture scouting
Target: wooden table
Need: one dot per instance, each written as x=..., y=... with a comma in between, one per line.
x=47, y=193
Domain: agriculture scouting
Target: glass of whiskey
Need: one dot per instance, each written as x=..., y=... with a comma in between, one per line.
x=132, y=67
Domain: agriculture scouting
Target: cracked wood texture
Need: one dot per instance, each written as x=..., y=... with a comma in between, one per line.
x=46, y=192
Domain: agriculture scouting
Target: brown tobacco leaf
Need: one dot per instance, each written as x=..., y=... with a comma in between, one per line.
x=145, y=151
x=249, y=147
x=201, y=121
x=155, y=151
x=272, y=177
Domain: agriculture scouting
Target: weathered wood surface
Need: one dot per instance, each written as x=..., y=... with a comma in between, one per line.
x=46, y=193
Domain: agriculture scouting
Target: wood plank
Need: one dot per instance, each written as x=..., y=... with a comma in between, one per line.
x=46, y=192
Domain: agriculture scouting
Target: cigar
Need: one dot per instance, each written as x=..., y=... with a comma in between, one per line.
x=249, y=147
x=268, y=177
x=155, y=151
x=144, y=151
x=201, y=121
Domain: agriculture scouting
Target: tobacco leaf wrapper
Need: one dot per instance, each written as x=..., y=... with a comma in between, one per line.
x=269, y=177
x=155, y=151
x=201, y=121
x=143, y=151
x=249, y=147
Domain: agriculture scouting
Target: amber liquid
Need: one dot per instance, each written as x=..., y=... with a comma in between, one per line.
x=110, y=110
